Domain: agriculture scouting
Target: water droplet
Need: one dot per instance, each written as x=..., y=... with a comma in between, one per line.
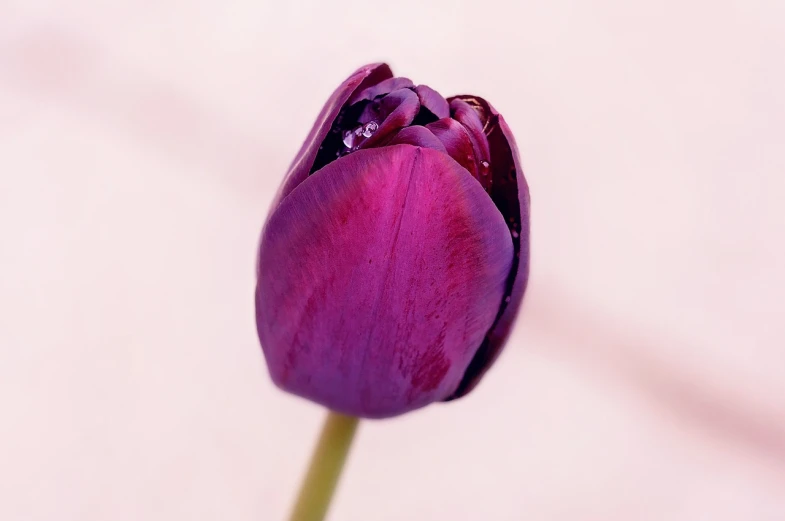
x=353, y=138
x=515, y=234
x=370, y=128
x=485, y=164
x=348, y=139
x=508, y=299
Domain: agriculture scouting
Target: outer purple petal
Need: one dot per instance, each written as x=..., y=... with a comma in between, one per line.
x=362, y=307
x=510, y=193
x=419, y=136
x=361, y=79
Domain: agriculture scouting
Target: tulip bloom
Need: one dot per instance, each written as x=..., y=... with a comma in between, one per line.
x=396, y=253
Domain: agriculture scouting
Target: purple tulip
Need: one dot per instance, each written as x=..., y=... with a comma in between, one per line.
x=396, y=253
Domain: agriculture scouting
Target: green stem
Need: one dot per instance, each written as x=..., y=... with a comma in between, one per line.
x=325, y=468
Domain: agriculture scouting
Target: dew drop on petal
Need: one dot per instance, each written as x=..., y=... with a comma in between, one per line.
x=515, y=234
x=370, y=128
x=485, y=164
x=348, y=139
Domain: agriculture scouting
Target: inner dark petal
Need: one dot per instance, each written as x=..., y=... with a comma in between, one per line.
x=424, y=117
x=433, y=101
x=392, y=111
x=505, y=181
x=384, y=87
x=333, y=145
x=419, y=136
x=372, y=111
x=480, y=106
x=467, y=116
x=396, y=111
x=457, y=143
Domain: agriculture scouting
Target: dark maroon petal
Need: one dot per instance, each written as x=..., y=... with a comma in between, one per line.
x=510, y=193
x=396, y=110
x=362, y=308
x=481, y=107
x=433, y=101
x=467, y=116
x=361, y=79
x=381, y=88
x=418, y=136
x=457, y=143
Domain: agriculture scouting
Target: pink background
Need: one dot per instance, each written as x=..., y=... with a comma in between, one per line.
x=141, y=143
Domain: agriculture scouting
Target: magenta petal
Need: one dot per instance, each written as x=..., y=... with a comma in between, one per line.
x=457, y=143
x=510, y=193
x=381, y=88
x=433, y=101
x=300, y=168
x=398, y=109
x=419, y=136
x=379, y=277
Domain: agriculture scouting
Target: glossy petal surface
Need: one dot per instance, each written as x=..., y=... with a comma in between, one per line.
x=379, y=277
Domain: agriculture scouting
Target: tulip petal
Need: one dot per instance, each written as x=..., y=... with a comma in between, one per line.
x=380, y=89
x=396, y=110
x=481, y=107
x=379, y=277
x=466, y=116
x=457, y=143
x=361, y=79
x=433, y=101
x=419, y=136
x=510, y=193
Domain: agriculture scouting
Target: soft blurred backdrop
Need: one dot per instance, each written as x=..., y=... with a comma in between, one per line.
x=141, y=143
